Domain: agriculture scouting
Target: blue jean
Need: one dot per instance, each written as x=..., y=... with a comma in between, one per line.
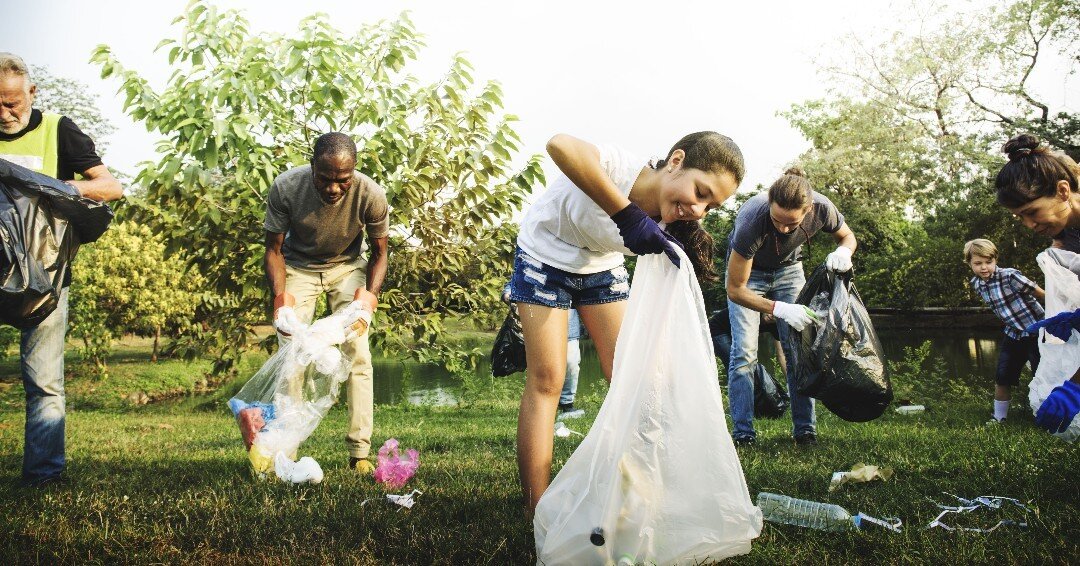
x=42, y=355
x=573, y=370
x=537, y=283
x=781, y=284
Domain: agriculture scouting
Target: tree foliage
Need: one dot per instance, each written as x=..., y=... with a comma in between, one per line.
x=124, y=283
x=242, y=107
x=71, y=98
x=909, y=149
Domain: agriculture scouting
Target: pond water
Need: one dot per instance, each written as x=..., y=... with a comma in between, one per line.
x=968, y=354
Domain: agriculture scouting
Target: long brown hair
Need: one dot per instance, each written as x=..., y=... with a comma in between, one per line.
x=792, y=191
x=1033, y=171
x=699, y=247
x=711, y=152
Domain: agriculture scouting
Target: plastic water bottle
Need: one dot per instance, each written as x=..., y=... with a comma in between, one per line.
x=800, y=512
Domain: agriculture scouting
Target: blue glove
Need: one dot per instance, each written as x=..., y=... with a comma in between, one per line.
x=1060, y=407
x=642, y=235
x=1060, y=325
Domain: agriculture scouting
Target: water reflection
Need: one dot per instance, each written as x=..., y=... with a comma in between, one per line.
x=968, y=354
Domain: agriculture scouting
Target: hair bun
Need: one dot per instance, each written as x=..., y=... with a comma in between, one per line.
x=1021, y=146
x=795, y=170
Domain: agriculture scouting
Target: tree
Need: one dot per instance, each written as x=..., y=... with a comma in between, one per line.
x=909, y=150
x=71, y=98
x=241, y=108
x=125, y=283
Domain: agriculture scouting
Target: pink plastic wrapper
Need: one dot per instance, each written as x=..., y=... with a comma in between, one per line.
x=393, y=470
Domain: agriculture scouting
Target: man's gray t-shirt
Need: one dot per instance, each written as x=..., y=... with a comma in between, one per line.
x=318, y=235
x=755, y=237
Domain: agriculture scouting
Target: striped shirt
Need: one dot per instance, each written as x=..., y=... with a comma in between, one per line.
x=1012, y=298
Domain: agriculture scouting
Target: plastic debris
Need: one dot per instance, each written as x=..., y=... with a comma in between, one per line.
x=991, y=502
x=307, y=470
x=786, y=510
x=563, y=431
x=283, y=403
x=406, y=501
x=394, y=471
x=910, y=409
x=860, y=473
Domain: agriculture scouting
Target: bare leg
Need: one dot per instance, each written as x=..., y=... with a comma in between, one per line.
x=603, y=322
x=545, y=331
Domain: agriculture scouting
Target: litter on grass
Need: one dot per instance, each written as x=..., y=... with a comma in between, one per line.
x=860, y=473
x=563, y=431
x=989, y=502
x=406, y=501
x=393, y=470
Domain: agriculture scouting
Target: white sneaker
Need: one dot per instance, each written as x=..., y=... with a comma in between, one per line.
x=576, y=413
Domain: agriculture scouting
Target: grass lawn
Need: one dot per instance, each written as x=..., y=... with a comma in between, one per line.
x=167, y=481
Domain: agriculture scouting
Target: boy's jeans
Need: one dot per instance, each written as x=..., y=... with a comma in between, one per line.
x=781, y=284
x=42, y=356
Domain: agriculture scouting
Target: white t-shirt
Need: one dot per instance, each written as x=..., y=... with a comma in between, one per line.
x=565, y=229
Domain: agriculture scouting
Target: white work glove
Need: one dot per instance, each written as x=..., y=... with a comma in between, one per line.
x=840, y=260
x=797, y=316
x=354, y=312
x=287, y=322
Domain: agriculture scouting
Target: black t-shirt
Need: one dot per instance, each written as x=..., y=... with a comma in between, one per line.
x=75, y=150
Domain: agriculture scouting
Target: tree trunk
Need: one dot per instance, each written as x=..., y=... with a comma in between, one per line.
x=157, y=335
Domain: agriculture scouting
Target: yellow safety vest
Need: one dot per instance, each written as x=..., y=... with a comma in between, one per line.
x=37, y=149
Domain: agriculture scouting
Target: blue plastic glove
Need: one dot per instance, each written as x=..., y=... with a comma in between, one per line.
x=1060, y=325
x=642, y=235
x=1060, y=407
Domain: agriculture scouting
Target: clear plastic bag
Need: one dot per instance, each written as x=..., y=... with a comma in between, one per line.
x=657, y=479
x=283, y=403
x=1058, y=360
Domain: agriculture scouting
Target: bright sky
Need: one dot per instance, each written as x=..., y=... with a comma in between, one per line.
x=637, y=74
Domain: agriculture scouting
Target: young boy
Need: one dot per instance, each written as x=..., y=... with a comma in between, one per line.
x=1013, y=298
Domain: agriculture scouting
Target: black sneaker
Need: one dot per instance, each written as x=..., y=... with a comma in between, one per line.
x=48, y=481
x=806, y=439
x=744, y=440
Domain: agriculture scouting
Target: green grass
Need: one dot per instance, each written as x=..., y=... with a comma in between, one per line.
x=168, y=482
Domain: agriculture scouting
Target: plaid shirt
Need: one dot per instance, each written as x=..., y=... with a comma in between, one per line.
x=1011, y=296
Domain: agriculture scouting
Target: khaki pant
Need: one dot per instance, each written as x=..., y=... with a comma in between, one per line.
x=341, y=283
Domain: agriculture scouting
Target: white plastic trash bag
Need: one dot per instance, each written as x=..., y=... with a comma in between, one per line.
x=657, y=479
x=1058, y=360
x=283, y=403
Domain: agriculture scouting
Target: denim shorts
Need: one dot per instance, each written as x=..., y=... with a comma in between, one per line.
x=536, y=283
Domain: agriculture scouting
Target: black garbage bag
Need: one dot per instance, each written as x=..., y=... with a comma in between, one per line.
x=508, y=353
x=770, y=399
x=42, y=223
x=840, y=361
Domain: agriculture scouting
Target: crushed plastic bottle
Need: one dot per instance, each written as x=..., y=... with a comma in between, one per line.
x=800, y=512
x=910, y=409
